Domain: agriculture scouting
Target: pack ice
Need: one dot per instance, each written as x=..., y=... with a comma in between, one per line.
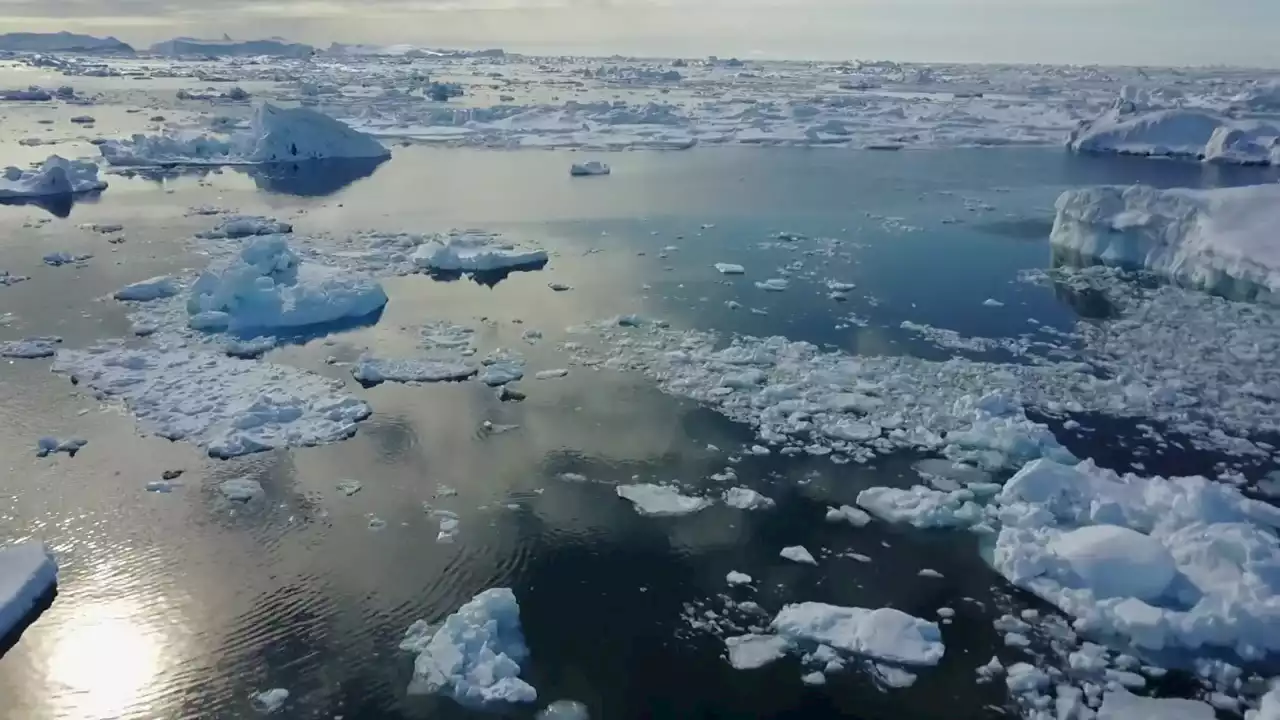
x=55, y=176
x=275, y=135
x=27, y=572
x=267, y=287
x=1223, y=239
x=475, y=655
x=226, y=405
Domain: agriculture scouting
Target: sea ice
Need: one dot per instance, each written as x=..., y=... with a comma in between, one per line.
x=156, y=288
x=729, y=269
x=881, y=634
x=591, y=167
x=1215, y=239
x=30, y=348
x=660, y=500
x=241, y=226
x=475, y=251
x=55, y=176
x=1122, y=705
x=27, y=572
x=798, y=554
x=475, y=655
x=851, y=515
x=736, y=578
x=267, y=287
x=371, y=370
x=747, y=499
x=228, y=406
x=748, y=652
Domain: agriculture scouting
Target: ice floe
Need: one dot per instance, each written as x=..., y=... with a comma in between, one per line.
x=55, y=176
x=798, y=554
x=226, y=405
x=748, y=652
x=474, y=251
x=660, y=500
x=591, y=167
x=30, y=348
x=27, y=573
x=747, y=499
x=882, y=634
x=371, y=370
x=240, y=226
x=475, y=655
x=156, y=288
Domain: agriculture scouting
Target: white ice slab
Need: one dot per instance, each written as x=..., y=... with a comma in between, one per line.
x=1123, y=705
x=475, y=251
x=408, y=370
x=591, y=167
x=27, y=572
x=747, y=499
x=660, y=500
x=748, y=652
x=882, y=634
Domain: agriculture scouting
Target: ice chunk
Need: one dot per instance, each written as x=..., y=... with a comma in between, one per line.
x=267, y=287
x=921, y=506
x=1212, y=238
x=591, y=167
x=475, y=655
x=370, y=370
x=274, y=135
x=798, y=554
x=241, y=226
x=27, y=573
x=747, y=499
x=156, y=288
x=30, y=348
x=1122, y=705
x=228, y=406
x=773, y=285
x=1115, y=561
x=660, y=500
x=882, y=634
x=349, y=487
x=62, y=257
x=271, y=700
x=563, y=710
x=476, y=251
x=736, y=578
x=748, y=652
x=550, y=374
x=55, y=176
x=241, y=489
x=814, y=678
x=729, y=269
x=851, y=515
x=48, y=445
x=502, y=371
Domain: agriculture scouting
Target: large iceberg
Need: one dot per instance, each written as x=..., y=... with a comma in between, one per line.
x=1224, y=239
x=268, y=288
x=27, y=573
x=475, y=655
x=229, y=406
x=1181, y=133
x=55, y=176
x=274, y=135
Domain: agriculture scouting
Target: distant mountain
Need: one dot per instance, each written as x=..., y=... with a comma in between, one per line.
x=275, y=46
x=61, y=42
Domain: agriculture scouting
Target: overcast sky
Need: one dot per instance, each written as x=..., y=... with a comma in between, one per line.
x=1171, y=32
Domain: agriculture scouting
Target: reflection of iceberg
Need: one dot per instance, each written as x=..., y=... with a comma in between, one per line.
x=56, y=205
x=315, y=178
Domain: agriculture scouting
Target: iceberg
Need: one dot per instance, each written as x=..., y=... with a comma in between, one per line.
x=267, y=287
x=27, y=573
x=475, y=655
x=1223, y=240
x=1193, y=134
x=474, y=251
x=881, y=634
x=226, y=405
x=275, y=135
x=55, y=176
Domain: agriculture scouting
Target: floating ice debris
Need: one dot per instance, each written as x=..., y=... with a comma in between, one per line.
x=921, y=506
x=156, y=288
x=882, y=634
x=1120, y=704
x=551, y=374
x=349, y=487
x=572, y=477
x=591, y=167
x=475, y=251
x=267, y=287
x=729, y=269
x=747, y=499
x=274, y=135
x=475, y=655
x=1219, y=239
x=840, y=287
x=251, y=348
x=30, y=348
x=376, y=523
x=241, y=226
x=992, y=302
x=851, y=515
x=930, y=573
x=228, y=406
x=449, y=524
x=28, y=572
x=58, y=259
x=563, y=710
x=501, y=368
x=270, y=701
x=798, y=554
x=946, y=475
x=371, y=371
x=748, y=652
x=773, y=285
x=814, y=678
x=83, y=120
x=55, y=176
x=531, y=336
x=559, y=287
x=159, y=486
x=660, y=500
x=736, y=578
x=892, y=676
x=241, y=489
x=50, y=445
x=7, y=278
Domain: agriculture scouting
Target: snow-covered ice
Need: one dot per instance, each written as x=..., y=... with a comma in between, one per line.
x=226, y=405
x=748, y=652
x=660, y=500
x=475, y=655
x=156, y=288
x=591, y=167
x=798, y=554
x=27, y=572
x=848, y=514
x=55, y=176
x=882, y=634
x=1221, y=239
x=476, y=251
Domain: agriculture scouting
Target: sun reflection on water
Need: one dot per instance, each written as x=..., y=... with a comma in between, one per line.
x=102, y=659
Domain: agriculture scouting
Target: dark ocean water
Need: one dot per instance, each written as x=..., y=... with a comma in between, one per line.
x=182, y=605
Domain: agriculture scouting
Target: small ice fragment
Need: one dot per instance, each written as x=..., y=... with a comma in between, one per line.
x=748, y=652
x=736, y=578
x=747, y=499
x=849, y=514
x=58, y=259
x=929, y=573
x=551, y=374
x=349, y=487
x=376, y=523
x=946, y=612
x=773, y=285
x=814, y=678
x=840, y=287
x=591, y=167
x=159, y=486
x=992, y=302
x=563, y=710
x=31, y=348
x=445, y=491
x=797, y=553
x=729, y=269
x=270, y=701
x=156, y=288
x=572, y=477
x=241, y=489
x=559, y=287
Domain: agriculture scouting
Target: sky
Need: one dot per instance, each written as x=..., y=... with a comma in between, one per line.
x=1134, y=32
